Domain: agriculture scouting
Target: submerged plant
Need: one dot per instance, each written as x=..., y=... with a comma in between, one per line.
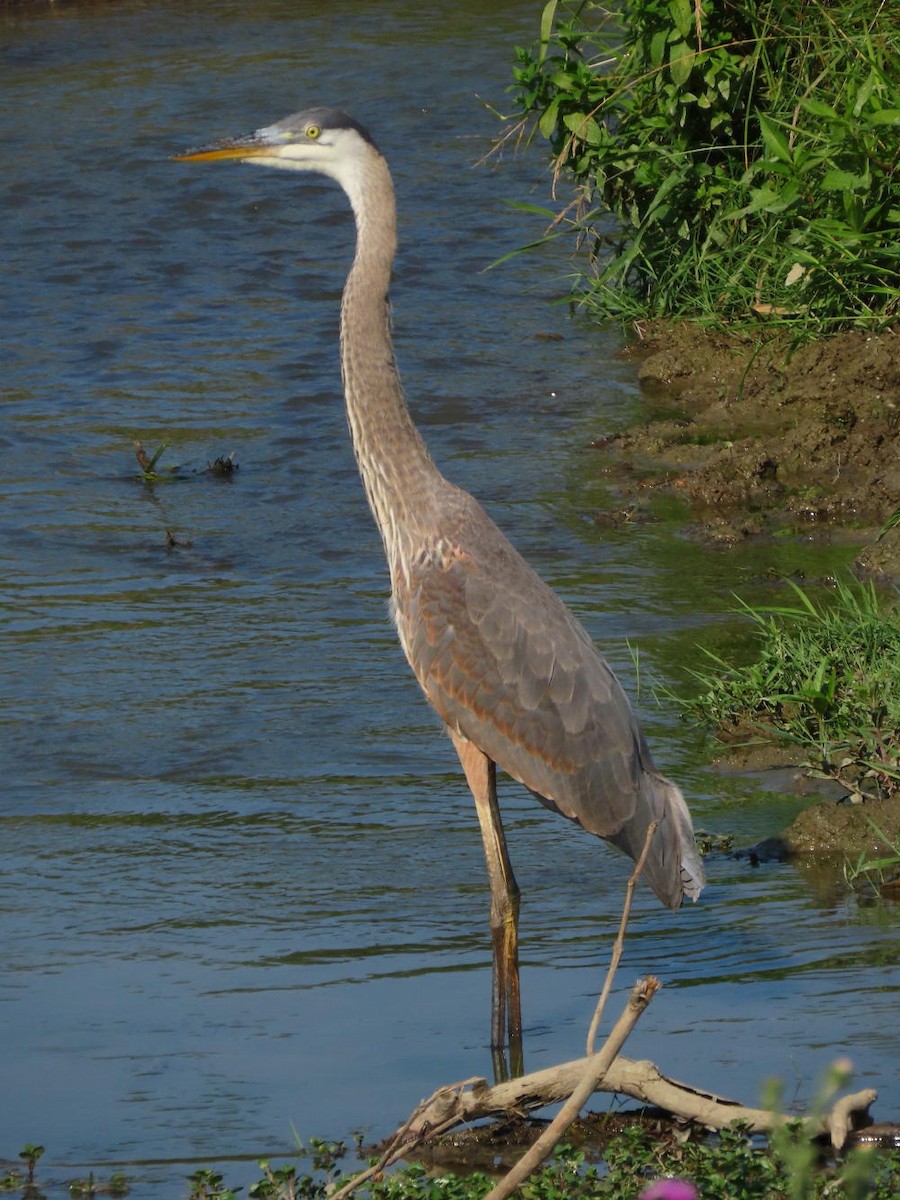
x=29, y=1154
x=733, y=1165
x=147, y=463
x=116, y=1186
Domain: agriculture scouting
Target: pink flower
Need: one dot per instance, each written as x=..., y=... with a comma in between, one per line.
x=670, y=1189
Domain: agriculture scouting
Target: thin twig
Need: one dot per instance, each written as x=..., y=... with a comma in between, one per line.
x=619, y=943
x=641, y=995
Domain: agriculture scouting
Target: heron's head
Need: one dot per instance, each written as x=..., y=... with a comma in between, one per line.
x=317, y=139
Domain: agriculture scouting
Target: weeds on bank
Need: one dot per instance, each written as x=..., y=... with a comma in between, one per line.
x=826, y=679
x=729, y=159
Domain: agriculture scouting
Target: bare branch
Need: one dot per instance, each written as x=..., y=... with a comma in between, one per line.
x=597, y=1066
x=619, y=943
x=638, y=1079
x=840, y=1119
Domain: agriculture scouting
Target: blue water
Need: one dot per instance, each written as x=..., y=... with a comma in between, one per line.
x=241, y=884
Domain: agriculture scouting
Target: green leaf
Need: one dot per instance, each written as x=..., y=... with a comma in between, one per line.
x=538, y=210
x=763, y=199
x=564, y=80
x=658, y=47
x=584, y=127
x=818, y=109
x=862, y=96
x=547, y=122
x=682, y=17
x=884, y=116
x=891, y=523
x=842, y=181
x=547, y=17
x=681, y=62
x=156, y=457
x=774, y=140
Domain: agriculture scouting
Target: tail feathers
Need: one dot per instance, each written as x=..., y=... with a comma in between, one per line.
x=673, y=868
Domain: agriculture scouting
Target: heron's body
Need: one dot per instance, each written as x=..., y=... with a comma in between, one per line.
x=511, y=673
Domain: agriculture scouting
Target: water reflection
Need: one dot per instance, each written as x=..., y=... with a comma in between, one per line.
x=240, y=879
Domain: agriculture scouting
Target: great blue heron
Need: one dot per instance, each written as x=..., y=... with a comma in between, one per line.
x=511, y=673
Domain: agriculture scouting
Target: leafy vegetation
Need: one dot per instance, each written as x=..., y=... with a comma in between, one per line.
x=730, y=156
x=732, y=1165
x=13, y=1180
x=826, y=678
x=729, y=1166
x=84, y=1189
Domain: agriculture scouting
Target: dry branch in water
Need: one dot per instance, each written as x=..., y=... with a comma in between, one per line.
x=473, y=1099
x=640, y=1079
x=573, y=1082
x=597, y=1066
x=839, y=1121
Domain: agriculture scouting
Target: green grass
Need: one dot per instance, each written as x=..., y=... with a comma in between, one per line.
x=879, y=876
x=825, y=679
x=728, y=159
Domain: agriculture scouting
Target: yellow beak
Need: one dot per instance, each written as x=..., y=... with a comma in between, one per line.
x=219, y=150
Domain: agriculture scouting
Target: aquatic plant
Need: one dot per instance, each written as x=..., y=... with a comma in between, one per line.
x=731, y=1165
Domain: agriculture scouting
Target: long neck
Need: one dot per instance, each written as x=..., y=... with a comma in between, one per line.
x=397, y=472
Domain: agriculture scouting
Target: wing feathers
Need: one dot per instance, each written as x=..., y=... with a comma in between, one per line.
x=505, y=664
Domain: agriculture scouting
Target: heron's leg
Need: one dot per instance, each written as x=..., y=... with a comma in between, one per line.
x=506, y=1005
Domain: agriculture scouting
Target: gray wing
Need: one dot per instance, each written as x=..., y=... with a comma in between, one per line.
x=505, y=663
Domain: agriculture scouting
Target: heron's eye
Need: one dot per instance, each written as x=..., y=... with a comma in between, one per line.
x=313, y=131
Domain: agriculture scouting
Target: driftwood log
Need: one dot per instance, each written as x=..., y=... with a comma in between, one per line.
x=474, y=1099
x=638, y=1078
x=573, y=1082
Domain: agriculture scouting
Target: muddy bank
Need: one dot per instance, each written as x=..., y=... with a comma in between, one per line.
x=835, y=827
x=757, y=434
x=871, y=829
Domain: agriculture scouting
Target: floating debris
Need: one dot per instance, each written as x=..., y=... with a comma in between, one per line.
x=223, y=466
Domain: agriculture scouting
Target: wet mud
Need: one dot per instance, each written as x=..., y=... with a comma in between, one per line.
x=759, y=434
